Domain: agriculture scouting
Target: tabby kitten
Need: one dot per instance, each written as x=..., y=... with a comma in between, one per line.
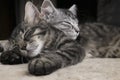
x=47, y=47
x=63, y=19
x=100, y=40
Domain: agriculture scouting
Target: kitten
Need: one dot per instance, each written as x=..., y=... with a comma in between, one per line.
x=96, y=38
x=63, y=19
x=44, y=46
x=100, y=40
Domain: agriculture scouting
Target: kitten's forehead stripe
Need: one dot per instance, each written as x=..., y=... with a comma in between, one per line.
x=67, y=13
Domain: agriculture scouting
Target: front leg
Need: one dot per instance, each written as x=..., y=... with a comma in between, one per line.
x=50, y=60
x=45, y=65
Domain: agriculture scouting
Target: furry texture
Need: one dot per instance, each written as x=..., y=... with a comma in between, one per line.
x=63, y=19
x=38, y=42
x=100, y=40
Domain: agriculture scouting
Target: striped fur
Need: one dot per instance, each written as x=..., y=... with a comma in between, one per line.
x=63, y=19
x=100, y=40
x=58, y=51
x=43, y=46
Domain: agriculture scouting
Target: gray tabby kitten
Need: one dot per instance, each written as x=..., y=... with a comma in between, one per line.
x=63, y=19
x=100, y=40
x=44, y=46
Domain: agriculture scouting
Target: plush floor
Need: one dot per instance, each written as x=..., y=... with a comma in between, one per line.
x=89, y=69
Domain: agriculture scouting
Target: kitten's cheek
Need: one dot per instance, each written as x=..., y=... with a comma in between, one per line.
x=32, y=53
x=75, y=35
x=72, y=35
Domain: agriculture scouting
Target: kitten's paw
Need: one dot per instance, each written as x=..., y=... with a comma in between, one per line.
x=10, y=57
x=42, y=66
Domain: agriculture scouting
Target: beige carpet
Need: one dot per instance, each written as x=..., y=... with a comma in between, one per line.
x=89, y=69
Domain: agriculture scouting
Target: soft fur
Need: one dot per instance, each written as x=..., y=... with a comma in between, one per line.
x=100, y=40
x=38, y=42
x=63, y=19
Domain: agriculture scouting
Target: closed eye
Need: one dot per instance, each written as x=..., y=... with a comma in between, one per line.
x=40, y=33
x=67, y=25
x=29, y=37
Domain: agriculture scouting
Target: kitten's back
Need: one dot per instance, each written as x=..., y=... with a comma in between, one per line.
x=100, y=39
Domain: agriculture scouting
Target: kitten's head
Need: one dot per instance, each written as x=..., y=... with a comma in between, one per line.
x=34, y=36
x=39, y=33
x=63, y=19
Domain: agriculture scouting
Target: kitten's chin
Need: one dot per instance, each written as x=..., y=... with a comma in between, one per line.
x=32, y=53
x=73, y=36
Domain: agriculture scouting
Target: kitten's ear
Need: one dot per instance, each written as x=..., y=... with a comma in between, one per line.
x=47, y=7
x=73, y=9
x=31, y=13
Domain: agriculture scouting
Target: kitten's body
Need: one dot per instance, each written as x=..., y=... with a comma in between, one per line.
x=62, y=19
x=100, y=40
x=49, y=42
x=47, y=47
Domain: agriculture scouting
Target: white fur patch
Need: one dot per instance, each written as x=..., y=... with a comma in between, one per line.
x=35, y=51
x=34, y=48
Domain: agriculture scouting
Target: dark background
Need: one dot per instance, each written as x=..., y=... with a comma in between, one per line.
x=107, y=11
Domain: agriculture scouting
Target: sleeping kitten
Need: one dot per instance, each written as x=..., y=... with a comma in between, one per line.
x=63, y=19
x=47, y=47
x=98, y=39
